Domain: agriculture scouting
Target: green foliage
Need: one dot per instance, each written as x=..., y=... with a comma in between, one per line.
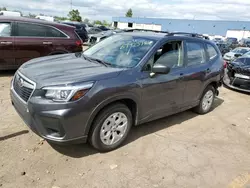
x=74, y=15
x=32, y=15
x=97, y=22
x=3, y=8
x=86, y=20
x=104, y=22
x=58, y=18
x=129, y=13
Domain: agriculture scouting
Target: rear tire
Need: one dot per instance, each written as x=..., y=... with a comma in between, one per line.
x=206, y=101
x=111, y=127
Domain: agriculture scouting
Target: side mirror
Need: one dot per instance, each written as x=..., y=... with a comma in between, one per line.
x=160, y=69
x=237, y=55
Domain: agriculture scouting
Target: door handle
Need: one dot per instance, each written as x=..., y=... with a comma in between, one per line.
x=181, y=76
x=6, y=43
x=208, y=70
x=47, y=42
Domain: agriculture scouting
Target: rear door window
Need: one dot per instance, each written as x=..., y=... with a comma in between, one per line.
x=212, y=53
x=195, y=53
x=30, y=30
x=5, y=29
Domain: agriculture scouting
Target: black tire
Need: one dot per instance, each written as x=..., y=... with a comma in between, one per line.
x=95, y=137
x=199, y=109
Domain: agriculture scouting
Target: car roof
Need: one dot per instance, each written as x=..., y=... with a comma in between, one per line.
x=33, y=20
x=159, y=36
x=247, y=48
x=151, y=35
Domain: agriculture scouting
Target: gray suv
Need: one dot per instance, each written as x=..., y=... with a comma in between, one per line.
x=125, y=80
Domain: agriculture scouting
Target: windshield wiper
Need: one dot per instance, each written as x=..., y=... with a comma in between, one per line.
x=96, y=60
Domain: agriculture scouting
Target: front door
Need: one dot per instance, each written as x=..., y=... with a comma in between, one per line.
x=162, y=94
x=7, y=60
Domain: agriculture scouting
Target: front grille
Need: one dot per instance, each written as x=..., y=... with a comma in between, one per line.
x=244, y=71
x=23, y=87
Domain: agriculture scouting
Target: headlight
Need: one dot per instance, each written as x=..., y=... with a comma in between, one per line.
x=67, y=93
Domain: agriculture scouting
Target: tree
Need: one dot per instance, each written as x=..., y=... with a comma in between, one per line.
x=4, y=8
x=32, y=15
x=105, y=23
x=86, y=20
x=74, y=15
x=129, y=13
x=58, y=18
x=97, y=22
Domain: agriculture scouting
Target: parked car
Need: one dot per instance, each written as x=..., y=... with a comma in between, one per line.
x=22, y=39
x=102, y=35
x=94, y=30
x=237, y=74
x=127, y=79
x=231, y=40
x=80, y=29
x=103, y=28
x=245, y=42
x=223, y=47
x=235, y=53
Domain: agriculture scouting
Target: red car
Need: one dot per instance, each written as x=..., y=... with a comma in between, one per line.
x=22, y=39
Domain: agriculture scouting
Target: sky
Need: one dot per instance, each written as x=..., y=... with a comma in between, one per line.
x=106, y=9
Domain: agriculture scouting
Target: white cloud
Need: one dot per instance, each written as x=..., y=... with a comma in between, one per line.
x=105, y=9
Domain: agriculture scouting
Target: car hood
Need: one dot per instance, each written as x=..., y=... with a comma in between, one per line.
x=65, y=69
x=229, y=54
x=240, y=68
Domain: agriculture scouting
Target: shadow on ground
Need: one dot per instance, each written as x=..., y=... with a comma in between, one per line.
x=235, y=90
x=13, y=135
x=83, y=150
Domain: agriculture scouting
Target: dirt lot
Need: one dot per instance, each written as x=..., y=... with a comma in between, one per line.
x=184, y=150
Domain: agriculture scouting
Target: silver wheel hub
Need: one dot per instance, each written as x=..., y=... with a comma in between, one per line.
x=207, y=100
x=114, y=128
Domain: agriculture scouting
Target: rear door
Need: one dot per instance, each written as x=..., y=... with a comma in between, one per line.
x=30, y=42
x=57, y=41
x=197, y=67
x=7, y=60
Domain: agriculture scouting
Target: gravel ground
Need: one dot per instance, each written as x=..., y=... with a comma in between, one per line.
x=184, y=150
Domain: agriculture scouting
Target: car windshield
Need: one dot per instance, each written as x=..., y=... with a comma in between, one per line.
x=245, y=61
x=247, y=54
x=121, y=50
x=232, y=39
x=240, y=50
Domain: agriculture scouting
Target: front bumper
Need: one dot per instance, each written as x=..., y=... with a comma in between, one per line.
x=53, y=122
x=239, y=84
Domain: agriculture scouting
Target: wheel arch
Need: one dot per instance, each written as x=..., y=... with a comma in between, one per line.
x=130, y=101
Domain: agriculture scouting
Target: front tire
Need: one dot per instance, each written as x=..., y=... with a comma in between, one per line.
x=206, y=101
x=111, y=127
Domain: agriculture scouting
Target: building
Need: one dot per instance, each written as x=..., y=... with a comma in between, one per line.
x=238, y=29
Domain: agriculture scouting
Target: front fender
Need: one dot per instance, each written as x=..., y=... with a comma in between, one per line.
x=109, y=101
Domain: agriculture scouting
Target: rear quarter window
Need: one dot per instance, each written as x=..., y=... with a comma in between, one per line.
x=52, y=32
x=212, y=53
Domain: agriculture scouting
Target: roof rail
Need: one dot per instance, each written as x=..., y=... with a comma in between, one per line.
x=188, y=34
x=144, y=30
